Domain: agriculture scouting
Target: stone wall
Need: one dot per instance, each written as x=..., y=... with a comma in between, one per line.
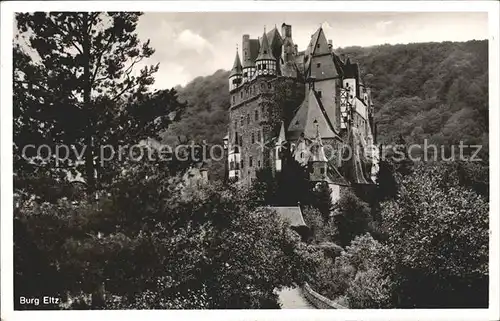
x=319, y=301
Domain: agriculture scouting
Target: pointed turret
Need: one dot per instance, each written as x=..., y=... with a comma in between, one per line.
x=280, y=145
x=265, y=52
x=318, y=152
x=265, y=62
x=237, y=68
x=236, y=75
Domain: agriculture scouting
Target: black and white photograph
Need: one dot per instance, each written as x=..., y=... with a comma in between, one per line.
x=261, y=155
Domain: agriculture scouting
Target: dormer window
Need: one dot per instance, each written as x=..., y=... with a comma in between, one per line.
x=318, y=65
x=317, y=46
x=319, y=93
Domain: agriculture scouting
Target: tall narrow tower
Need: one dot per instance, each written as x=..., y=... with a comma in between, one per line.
x=265, y=62
x=236, y=75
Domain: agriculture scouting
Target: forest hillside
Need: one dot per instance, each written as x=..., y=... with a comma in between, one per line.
x=437, y=91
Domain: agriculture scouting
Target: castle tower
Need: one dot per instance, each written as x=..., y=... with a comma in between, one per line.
x=289, y=49
x=265, y=62
x=250, y=49
x=236, y=75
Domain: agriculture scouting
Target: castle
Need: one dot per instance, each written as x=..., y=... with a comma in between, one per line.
x=309, y=107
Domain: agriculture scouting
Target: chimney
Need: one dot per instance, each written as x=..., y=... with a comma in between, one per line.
x=286, y=30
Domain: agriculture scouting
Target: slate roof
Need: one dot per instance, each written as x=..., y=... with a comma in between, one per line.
x=354, y=165
x=311, y=114
x=265, y=52
x=237, y=68
x=254, y=46
x=290, y=214
x=275, y=41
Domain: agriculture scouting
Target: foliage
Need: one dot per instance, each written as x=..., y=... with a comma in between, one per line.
x=353, y=217
x=322, y=200
x=357, y=275
x=322, y=231
x=437, y=91
x=212, y=247
x=438, y=236
x=76, y=85
x=206, y=117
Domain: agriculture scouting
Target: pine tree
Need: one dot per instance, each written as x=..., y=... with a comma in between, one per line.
x=77, y=83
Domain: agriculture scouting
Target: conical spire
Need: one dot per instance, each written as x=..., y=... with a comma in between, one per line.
x=319, y=152
x=265, y=52
x=237, y=68
x=281, y=138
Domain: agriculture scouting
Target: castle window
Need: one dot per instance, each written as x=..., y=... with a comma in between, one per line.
x=256, y=114
x=258, y=164
x=259, y=137
x=241, y=121
x=264, y=66
x=319, y=93
x=269, y=85
x=262, y=110
x=234, y=99
x=318, y=65
x=241, y=94
x=322, y=170
x=235, y=125
x=231, y=166
x=262, y=85
x=250, y=163
x=248, y=119
x=241, y=163
x=253, y=138
x=236, y=150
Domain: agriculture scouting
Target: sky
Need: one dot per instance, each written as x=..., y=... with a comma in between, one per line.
x=189, y=45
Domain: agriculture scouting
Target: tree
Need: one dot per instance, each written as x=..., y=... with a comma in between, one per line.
x=322, y=200
x=438, y=236
x=356, y=277
x=353, y=217
x=76, y=84
x=210, y=247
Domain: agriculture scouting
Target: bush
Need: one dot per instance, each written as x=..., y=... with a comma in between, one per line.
x=353, y=218
x=438, y=236
x=356, y=275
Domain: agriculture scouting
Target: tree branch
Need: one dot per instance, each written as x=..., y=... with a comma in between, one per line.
x=65, y=34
